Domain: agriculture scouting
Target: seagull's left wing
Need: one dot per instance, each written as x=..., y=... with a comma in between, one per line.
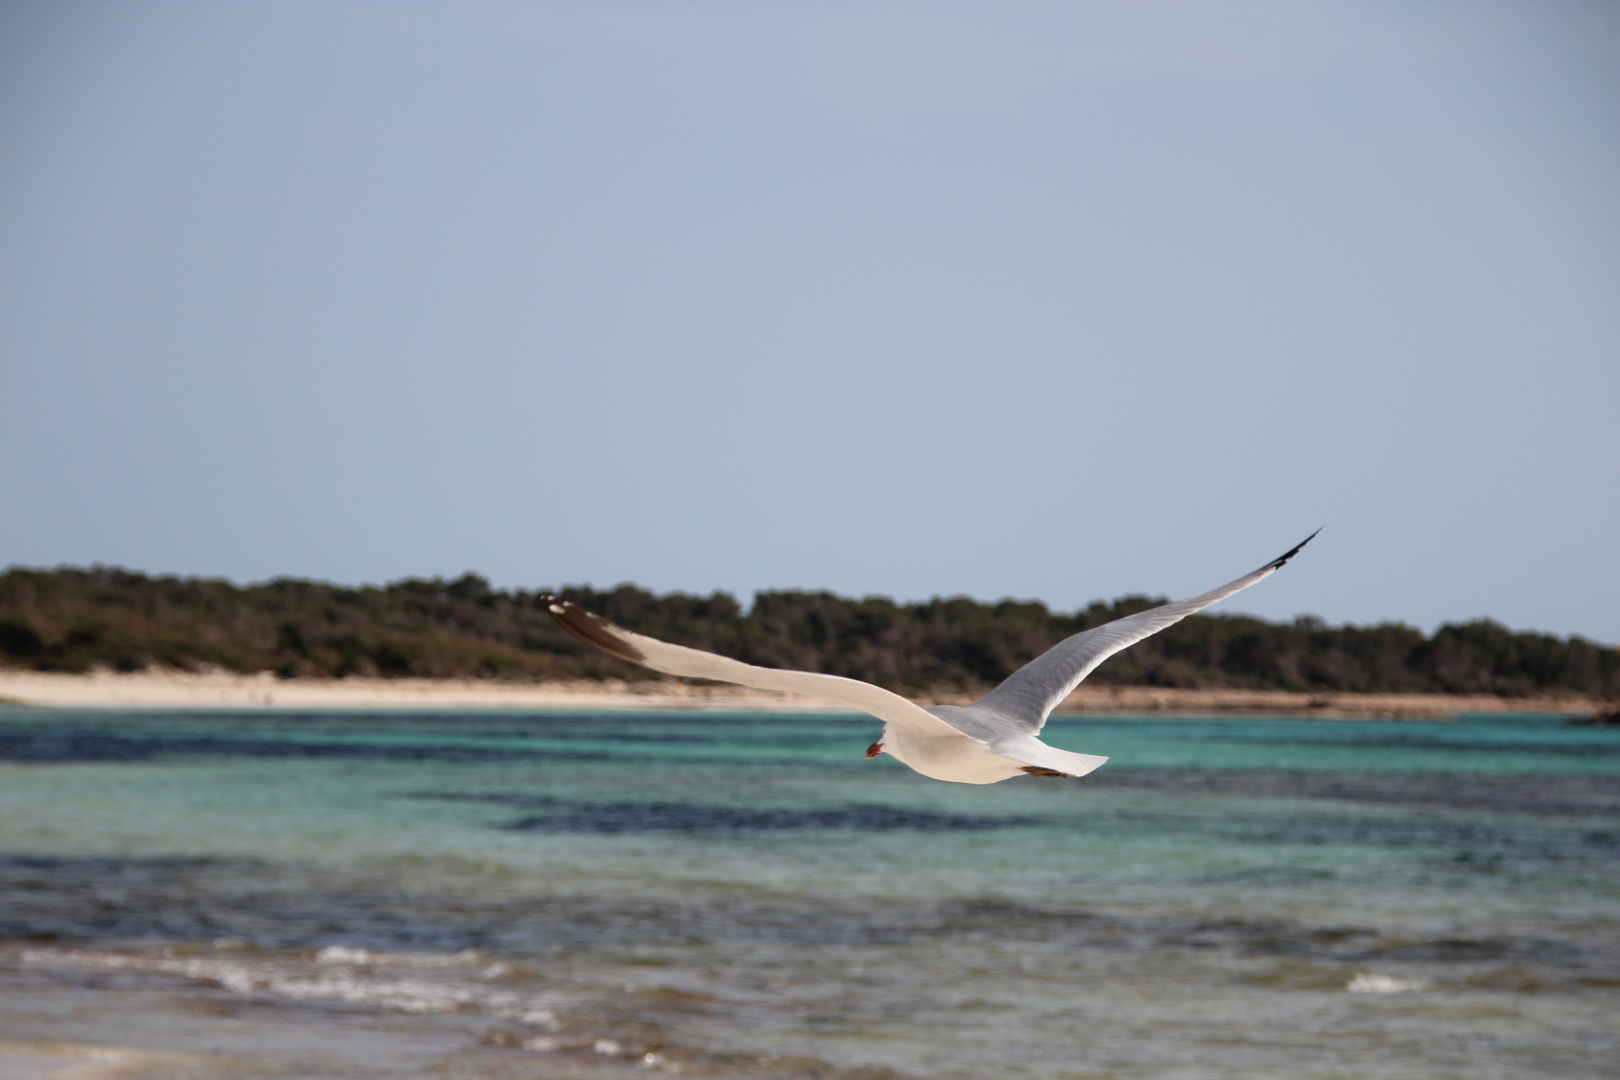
x=1030, y=694
x=598, y=633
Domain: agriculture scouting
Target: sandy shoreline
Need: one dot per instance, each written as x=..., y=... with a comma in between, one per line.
x=177, y=689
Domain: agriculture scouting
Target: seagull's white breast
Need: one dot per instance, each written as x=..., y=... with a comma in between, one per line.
x=949, y=757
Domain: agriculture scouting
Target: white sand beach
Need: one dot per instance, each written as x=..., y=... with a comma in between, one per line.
x=181, y=689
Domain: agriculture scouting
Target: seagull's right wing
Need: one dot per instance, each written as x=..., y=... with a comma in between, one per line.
x=1030, y=694
x=616, y=641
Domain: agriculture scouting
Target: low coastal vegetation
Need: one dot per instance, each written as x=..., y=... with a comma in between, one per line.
x=76, y=620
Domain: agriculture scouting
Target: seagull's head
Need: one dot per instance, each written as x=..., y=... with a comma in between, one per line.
x=875, y=749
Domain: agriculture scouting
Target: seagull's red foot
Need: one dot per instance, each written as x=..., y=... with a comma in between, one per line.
x=874, y=750
x=1036, y=770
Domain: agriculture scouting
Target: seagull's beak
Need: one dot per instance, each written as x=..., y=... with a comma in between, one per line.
x=874, y=750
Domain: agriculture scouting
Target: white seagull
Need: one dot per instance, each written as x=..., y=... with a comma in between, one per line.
x=991, y=740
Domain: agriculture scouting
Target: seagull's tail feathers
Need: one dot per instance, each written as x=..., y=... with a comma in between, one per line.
x=1028, y=750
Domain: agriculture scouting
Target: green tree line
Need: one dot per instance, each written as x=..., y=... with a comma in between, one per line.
x=72, y=619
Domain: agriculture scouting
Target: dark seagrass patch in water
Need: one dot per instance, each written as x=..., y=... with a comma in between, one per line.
x=586, y=816
x=630, y=817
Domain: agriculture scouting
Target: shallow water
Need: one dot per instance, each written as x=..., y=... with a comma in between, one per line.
x=356, y=894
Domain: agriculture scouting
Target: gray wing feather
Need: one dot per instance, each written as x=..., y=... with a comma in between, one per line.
x=1029, y=694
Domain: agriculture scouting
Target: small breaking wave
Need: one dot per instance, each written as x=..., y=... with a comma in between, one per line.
x=591, y=1030
x=335, y=974
x=1368, y=983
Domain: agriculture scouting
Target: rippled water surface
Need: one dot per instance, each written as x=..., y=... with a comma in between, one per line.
x=504, y=894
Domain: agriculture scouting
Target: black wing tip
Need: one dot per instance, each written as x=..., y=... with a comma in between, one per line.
x=1282, y=560
x=592, y=629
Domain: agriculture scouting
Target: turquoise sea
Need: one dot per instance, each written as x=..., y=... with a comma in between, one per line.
x=727, y=894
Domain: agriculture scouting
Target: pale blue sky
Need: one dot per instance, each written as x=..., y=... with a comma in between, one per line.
x=1058, y=301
